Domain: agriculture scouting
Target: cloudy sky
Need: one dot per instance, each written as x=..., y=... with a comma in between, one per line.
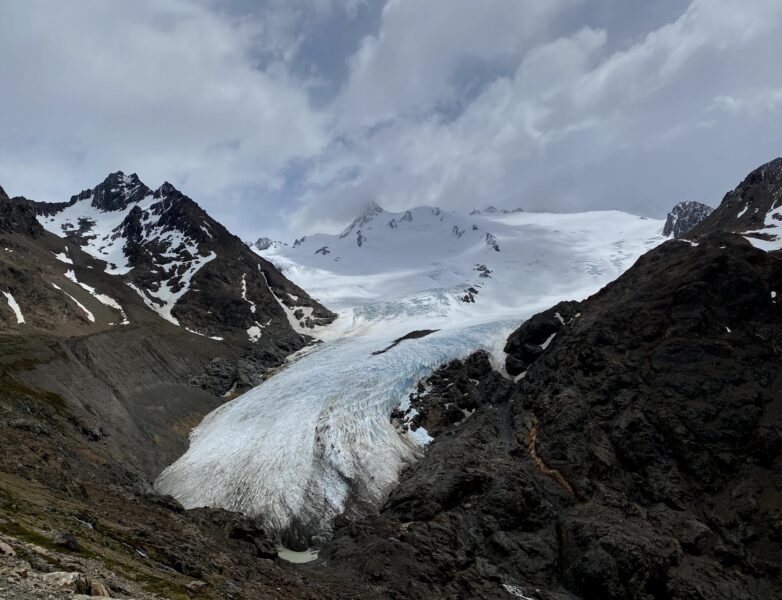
x=284, y=117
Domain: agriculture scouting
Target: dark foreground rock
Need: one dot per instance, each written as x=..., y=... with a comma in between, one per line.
x=638, y=458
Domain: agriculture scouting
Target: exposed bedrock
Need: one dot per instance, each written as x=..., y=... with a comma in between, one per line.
x=639, y=457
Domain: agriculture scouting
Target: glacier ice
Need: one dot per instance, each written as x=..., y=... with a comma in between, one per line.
x=315, y=439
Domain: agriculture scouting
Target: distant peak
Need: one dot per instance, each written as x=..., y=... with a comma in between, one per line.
x=370, y=211
x=684, y=217
x=166, y=189
x=770, y=173
x=264, y=243
x=493, y=210
x=118, y=178
x=116, y=192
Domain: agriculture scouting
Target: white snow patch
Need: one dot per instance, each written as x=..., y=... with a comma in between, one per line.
x=166, y=296
x=84, y=309
x=545, y=344
x=211, y=337
x=289, y=312
x=63, y=257
x=254, y=331
x=244, y=294
x=742, y=211
x=772, y=227
x=14, y=307
x=102, y=242
x=102, y=298
x=516, y=591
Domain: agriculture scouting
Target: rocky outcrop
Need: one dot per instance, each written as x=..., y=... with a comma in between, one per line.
x=684, y=217
x=752, y=208
x=637, y=458
x=264, y=243
x=18, y=217
x=528, y=342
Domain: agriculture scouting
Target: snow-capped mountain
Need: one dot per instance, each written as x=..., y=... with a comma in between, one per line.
x=316, y=439
x=183, y=264
x=684, y=217
x=491, y=210
x=264, y=243
x=476, y=258
x=753, y=209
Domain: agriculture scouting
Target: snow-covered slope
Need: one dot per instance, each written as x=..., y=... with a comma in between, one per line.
x=496, y=261
x=316, y=439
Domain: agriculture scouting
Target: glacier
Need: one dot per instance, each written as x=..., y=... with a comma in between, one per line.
x=315, y=440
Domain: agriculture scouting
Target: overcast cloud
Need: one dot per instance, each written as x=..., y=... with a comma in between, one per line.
x=285, y=117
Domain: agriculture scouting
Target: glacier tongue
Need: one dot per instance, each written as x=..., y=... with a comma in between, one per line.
x=315, y=439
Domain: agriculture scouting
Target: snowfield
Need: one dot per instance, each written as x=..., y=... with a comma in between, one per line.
x=315, y=440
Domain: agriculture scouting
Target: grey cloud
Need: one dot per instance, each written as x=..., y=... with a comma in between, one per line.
x=579, y=126
x=286, y=116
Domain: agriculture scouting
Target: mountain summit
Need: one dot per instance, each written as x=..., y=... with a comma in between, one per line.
x=684, y=217
x=182, y=263
x=753, y=209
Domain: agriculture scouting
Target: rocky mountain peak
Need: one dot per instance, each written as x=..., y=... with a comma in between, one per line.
x=184, y=265
x=769, y=174
x=754, y=209
x=684, y=217
x=18, y=216
x=264, y=243
x=116, y=192
x=165, y=190
x=369, y=213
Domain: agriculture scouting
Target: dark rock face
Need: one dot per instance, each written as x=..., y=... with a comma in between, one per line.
x=638, y=458
x=529, y=341
x=18, y=217
x=117, y=192
x=684, y=217
x=745, y=208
